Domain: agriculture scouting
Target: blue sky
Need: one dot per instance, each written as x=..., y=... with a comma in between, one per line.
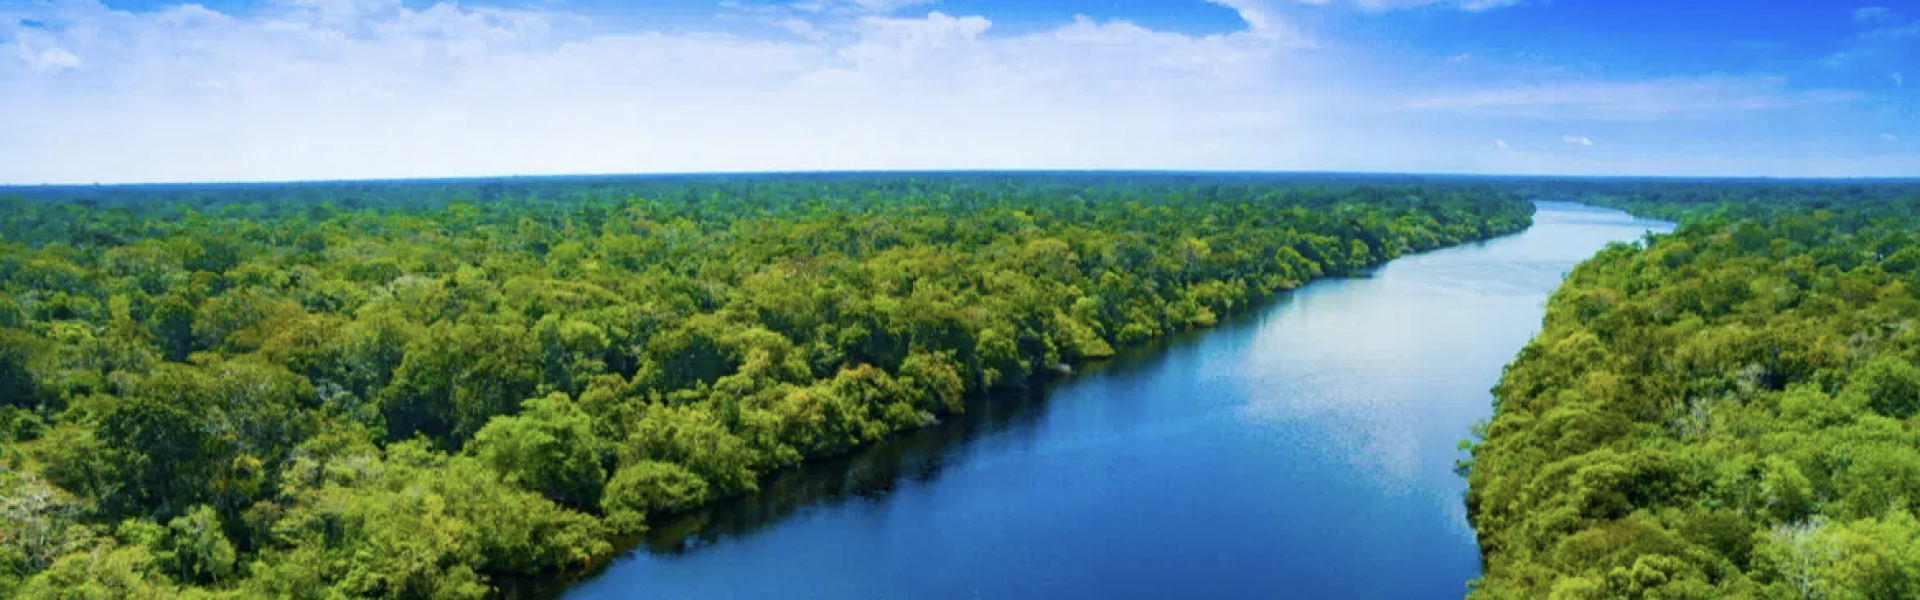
x=145, y=90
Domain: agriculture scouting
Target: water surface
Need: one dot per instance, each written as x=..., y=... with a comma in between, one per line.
x=1305, y=450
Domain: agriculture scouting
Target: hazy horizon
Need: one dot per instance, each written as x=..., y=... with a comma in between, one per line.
x=144, y=91
x=956, y=172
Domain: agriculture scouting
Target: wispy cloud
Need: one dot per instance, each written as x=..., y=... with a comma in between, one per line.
x=1843, y=57
x=1629, y=100
x=1466, y=5
x=1378, y=5
x=1876, y=14
x=1882, y=35
x=35, y=47
x=873, y=7
x=1888, y=137
x=803, y=28
x=1258, y=14
x=1577, y=140
x=302, y=89
x=47, y=58
x=1894, y=32
x=1898, y=79
x=1480, y=5
x=1459, y=58
x=373, y=88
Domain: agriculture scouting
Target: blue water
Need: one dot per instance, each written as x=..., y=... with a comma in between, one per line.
x=1305, y=450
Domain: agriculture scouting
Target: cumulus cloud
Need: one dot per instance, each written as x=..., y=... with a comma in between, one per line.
x=1628, y=100
x=1502, y=144
x=902, y=41
x=1577, y=140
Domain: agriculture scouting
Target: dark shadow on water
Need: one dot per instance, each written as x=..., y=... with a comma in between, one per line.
x=873, y=473
x=876, y=471
x=917, y=457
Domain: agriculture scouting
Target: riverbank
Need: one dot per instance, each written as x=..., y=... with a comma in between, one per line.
x=1176, y=449
x=671, y=531
x=582, y=354
x=1726, y=412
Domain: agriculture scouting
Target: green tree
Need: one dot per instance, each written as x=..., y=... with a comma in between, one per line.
x=550, y=448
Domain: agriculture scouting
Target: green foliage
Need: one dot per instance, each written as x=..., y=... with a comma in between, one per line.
x=18, y=387
x=192, y=549
x=1724, y=412
x=650, y=487
x=322, y=390
x=104, y=573
x=549, y=448
x=457, y=376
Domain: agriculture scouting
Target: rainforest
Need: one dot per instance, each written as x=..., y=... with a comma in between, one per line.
x=1729, y=411
x=424, y=389
x=452, y=388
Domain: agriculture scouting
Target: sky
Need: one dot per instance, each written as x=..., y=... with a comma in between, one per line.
x=120, y=91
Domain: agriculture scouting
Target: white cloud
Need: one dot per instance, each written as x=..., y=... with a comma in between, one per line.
x=1577, y=140
x=1256, y=13
x=1785, y=164
x=1898, y=79
x=1259, y=12
x=1842, y=57
x=1883, y=38
x=1888, y=137
x=901, y=41
x=309, y=89
x=1884, y=24
x=1459, y=58
x=802, y=28
x=1480, y=5
x=1502, y=144
x=371, y=88
x=877, y=7
x=50, y=58
x=35, y=49
x=1894, y=32
x=1628, y=100
x=1384, y=5
x=1876, y=14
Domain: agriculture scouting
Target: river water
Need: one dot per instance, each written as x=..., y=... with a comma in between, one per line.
x=1304, y=450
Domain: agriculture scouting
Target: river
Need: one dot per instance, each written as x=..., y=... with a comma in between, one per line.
x=1302, y=450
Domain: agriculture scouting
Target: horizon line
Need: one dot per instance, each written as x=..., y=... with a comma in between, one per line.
x=955, y=171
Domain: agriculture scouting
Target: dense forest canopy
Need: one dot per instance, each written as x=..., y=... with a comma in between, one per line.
x=1729, y=411
x=421, y=389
